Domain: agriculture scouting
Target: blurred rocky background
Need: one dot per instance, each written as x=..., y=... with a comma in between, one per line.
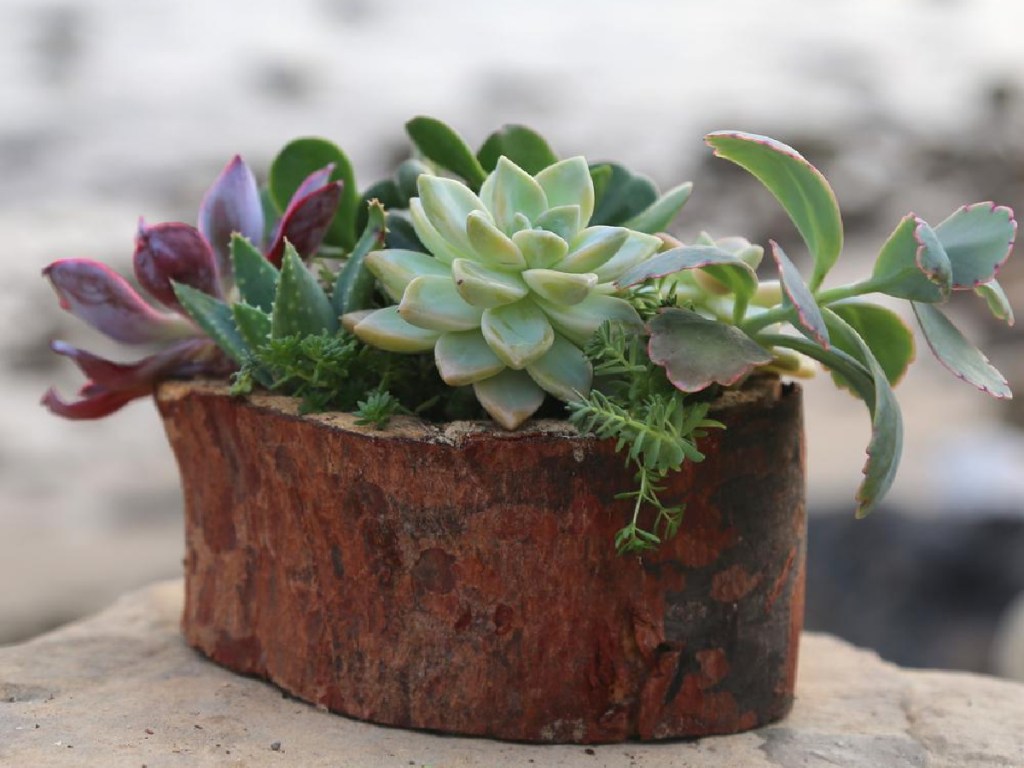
x=112, y=109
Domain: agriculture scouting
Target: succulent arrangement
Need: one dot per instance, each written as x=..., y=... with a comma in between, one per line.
x=510, y=283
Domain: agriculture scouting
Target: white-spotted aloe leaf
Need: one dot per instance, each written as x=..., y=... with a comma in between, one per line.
x=300, y=307
x=886, y=444
x=215, y=318
x=885, y=333
x=252, y=323
x=913, y=264
x=998, y=302
x=353, y=289
x=523, y=146
x=296, y=162
x=255, y=276
x=799, y=187
x=797, y=296
x=963, y=359
x=977, y=239
x=697, y=352
x=440, y=143
x=659, y=214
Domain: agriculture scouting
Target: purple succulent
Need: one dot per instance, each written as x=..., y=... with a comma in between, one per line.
x=176, y=252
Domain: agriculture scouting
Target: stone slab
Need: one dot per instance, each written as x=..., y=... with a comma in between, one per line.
x=122, y=690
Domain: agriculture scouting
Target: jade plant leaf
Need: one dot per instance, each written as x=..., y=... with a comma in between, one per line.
x=913, y=264
x=697, y=352
x=215, y=318
x=798, y=186
x=354, y=287
x=659, y=214
x=963, y=359
x=255, y=276
x=401, y=234
x=440, y=143
x=998, y=302
x=977, y=239
x=300, y=307
x=885, y=333
x=253, y=324
x=523, y=146
x=619, y=193
x=296, y=162
x=796, y=295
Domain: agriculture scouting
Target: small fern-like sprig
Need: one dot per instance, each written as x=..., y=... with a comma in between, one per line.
x=377, y=409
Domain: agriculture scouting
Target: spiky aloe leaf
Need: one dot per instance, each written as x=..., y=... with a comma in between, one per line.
x=619, y=194
x=440, y=143
x=963, y=359
x=696, y=352
x=799, y=187
x=296, y=162
x=977, y=239
x=387, y=193
x=523, y=146
x=215, y=318
x=353, y=289
x=797, y=296
x=662, y=211
x=301, y=308
x=252, y=323
x=256, y=277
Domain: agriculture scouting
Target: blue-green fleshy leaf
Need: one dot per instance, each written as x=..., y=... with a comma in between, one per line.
x=796, y=295
x=977, y=239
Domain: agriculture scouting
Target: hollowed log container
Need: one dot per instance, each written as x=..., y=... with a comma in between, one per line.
x=463, y=579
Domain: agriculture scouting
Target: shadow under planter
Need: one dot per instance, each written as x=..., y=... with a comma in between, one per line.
x=463, y=579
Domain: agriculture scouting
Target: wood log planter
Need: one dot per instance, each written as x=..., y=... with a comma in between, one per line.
x=461, y=578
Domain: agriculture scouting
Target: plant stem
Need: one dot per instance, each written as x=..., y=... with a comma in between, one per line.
x=784, y=313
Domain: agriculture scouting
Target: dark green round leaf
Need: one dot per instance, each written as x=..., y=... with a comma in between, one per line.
x=523, y=146
x=440, y=143
x=885, y=333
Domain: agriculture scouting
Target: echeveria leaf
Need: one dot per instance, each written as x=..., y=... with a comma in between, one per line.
x=396, y=268
x=216, y=320
x=539, y=248
x=510, y=397
x=296, y=162
x=886, y=335
x=432, y=240
x=619, y=194
x=518, y=333
x=385, y=329
x=464, y=357
x=886, y=444
x=301, y=307
x=509, y=191
x=568, y=183
x=963, y=359
x=447, y=204
x=562, y=220
x=256, y=277
x=662, y=211
x=252, y=323
x=434, y=303
x=440, y=143
x=697, y=352
x=580, y=321
x=998, y=302
x=593, y=247
x=913, y=264
x=523, y=146
x=798, y=186
x=563, y=371
x=353, y=288
x=485, y=287
x=560, y=287
x=978, y=239
x=797, y=296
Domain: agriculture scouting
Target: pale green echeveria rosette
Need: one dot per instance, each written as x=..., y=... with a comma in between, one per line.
x=514, y=286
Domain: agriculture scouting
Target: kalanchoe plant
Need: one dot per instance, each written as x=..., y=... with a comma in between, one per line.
x=528, y=276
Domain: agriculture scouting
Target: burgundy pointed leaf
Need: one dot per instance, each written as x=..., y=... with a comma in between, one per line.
x=174, y=252
x=305, y=222
x=94, y=293
x=96, y=405
x=186, y=358
x=231, y=204
x=309, y=185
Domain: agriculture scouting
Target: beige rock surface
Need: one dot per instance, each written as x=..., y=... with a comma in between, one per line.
x=121, y=690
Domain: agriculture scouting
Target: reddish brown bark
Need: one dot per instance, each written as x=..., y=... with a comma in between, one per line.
x=465, y=580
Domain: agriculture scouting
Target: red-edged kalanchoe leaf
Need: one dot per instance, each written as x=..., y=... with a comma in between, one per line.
x=697, y=352
x=307, y=217
x=978, y=239
x=94, y=293
x=112, y=385
x=231, y=204
x=796, y=295
x=174, y=252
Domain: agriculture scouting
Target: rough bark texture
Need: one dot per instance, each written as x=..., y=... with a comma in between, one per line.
x=464, y=580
